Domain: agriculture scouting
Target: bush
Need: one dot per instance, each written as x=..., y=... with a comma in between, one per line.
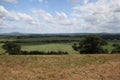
x=12, y=48
x=116, y=48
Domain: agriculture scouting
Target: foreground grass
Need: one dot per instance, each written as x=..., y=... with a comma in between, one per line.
x=64, y=67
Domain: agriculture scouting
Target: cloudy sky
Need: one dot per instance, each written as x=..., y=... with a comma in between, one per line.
x=60, y=16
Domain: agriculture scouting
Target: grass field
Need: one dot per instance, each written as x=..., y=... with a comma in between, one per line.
x=50, y=47
x=65, y=67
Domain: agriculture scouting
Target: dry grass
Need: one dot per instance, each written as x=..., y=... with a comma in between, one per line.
x=64, y=67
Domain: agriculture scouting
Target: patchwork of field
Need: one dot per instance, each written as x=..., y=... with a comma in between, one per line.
x=45, y=44
x=66, y=47
x=64, y=67
x=49, y=43
x=47, y=48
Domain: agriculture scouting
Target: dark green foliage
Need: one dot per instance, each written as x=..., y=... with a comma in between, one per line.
x=12, y=48
x=116, y=48
x=75, y=47
x=56, y=53
x=91, y=44
x=43, y=53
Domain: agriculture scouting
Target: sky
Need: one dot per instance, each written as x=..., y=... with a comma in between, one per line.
x=60, y=16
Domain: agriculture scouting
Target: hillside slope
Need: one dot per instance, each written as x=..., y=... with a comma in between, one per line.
x=65, y=67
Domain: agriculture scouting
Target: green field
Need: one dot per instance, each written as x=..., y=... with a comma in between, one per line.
x=47, y=47
x=50, y=47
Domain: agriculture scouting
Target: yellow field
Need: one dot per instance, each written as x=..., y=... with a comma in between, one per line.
x=64, y=67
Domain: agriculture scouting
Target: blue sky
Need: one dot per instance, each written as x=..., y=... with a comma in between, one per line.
x=60, y=16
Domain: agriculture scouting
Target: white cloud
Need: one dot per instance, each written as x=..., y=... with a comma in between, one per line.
x=59, y=19
x=43, y=14
x=11, y=1
x=15, y=16
x=101, y=15
x=85, y=1
x=61, y=16
x=63, y=19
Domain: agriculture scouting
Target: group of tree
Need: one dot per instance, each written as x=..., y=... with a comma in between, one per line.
x=116, y=48
x=94, y=44
x=12, y=48
x=15, y=49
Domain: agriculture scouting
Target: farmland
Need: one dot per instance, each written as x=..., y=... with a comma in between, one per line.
x=52, y=42
x=42, y=43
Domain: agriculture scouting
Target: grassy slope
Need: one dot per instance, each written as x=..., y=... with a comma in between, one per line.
x=65, y=67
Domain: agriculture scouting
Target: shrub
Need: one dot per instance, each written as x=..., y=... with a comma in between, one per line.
x=116, y=48
x=12, y=48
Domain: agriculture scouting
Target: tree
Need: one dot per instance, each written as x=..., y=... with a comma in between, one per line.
x=116, y=48
x=12, y=48
x=91, y=44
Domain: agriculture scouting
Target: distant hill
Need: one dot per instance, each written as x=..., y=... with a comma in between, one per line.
x=13, y=33
x=55, y=34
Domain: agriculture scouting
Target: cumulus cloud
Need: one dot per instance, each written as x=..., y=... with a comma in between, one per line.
x=100, y=15
x=15, y=16
x=16, y=21
x=45, y=15
x=63, y=19
x=60, y=18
